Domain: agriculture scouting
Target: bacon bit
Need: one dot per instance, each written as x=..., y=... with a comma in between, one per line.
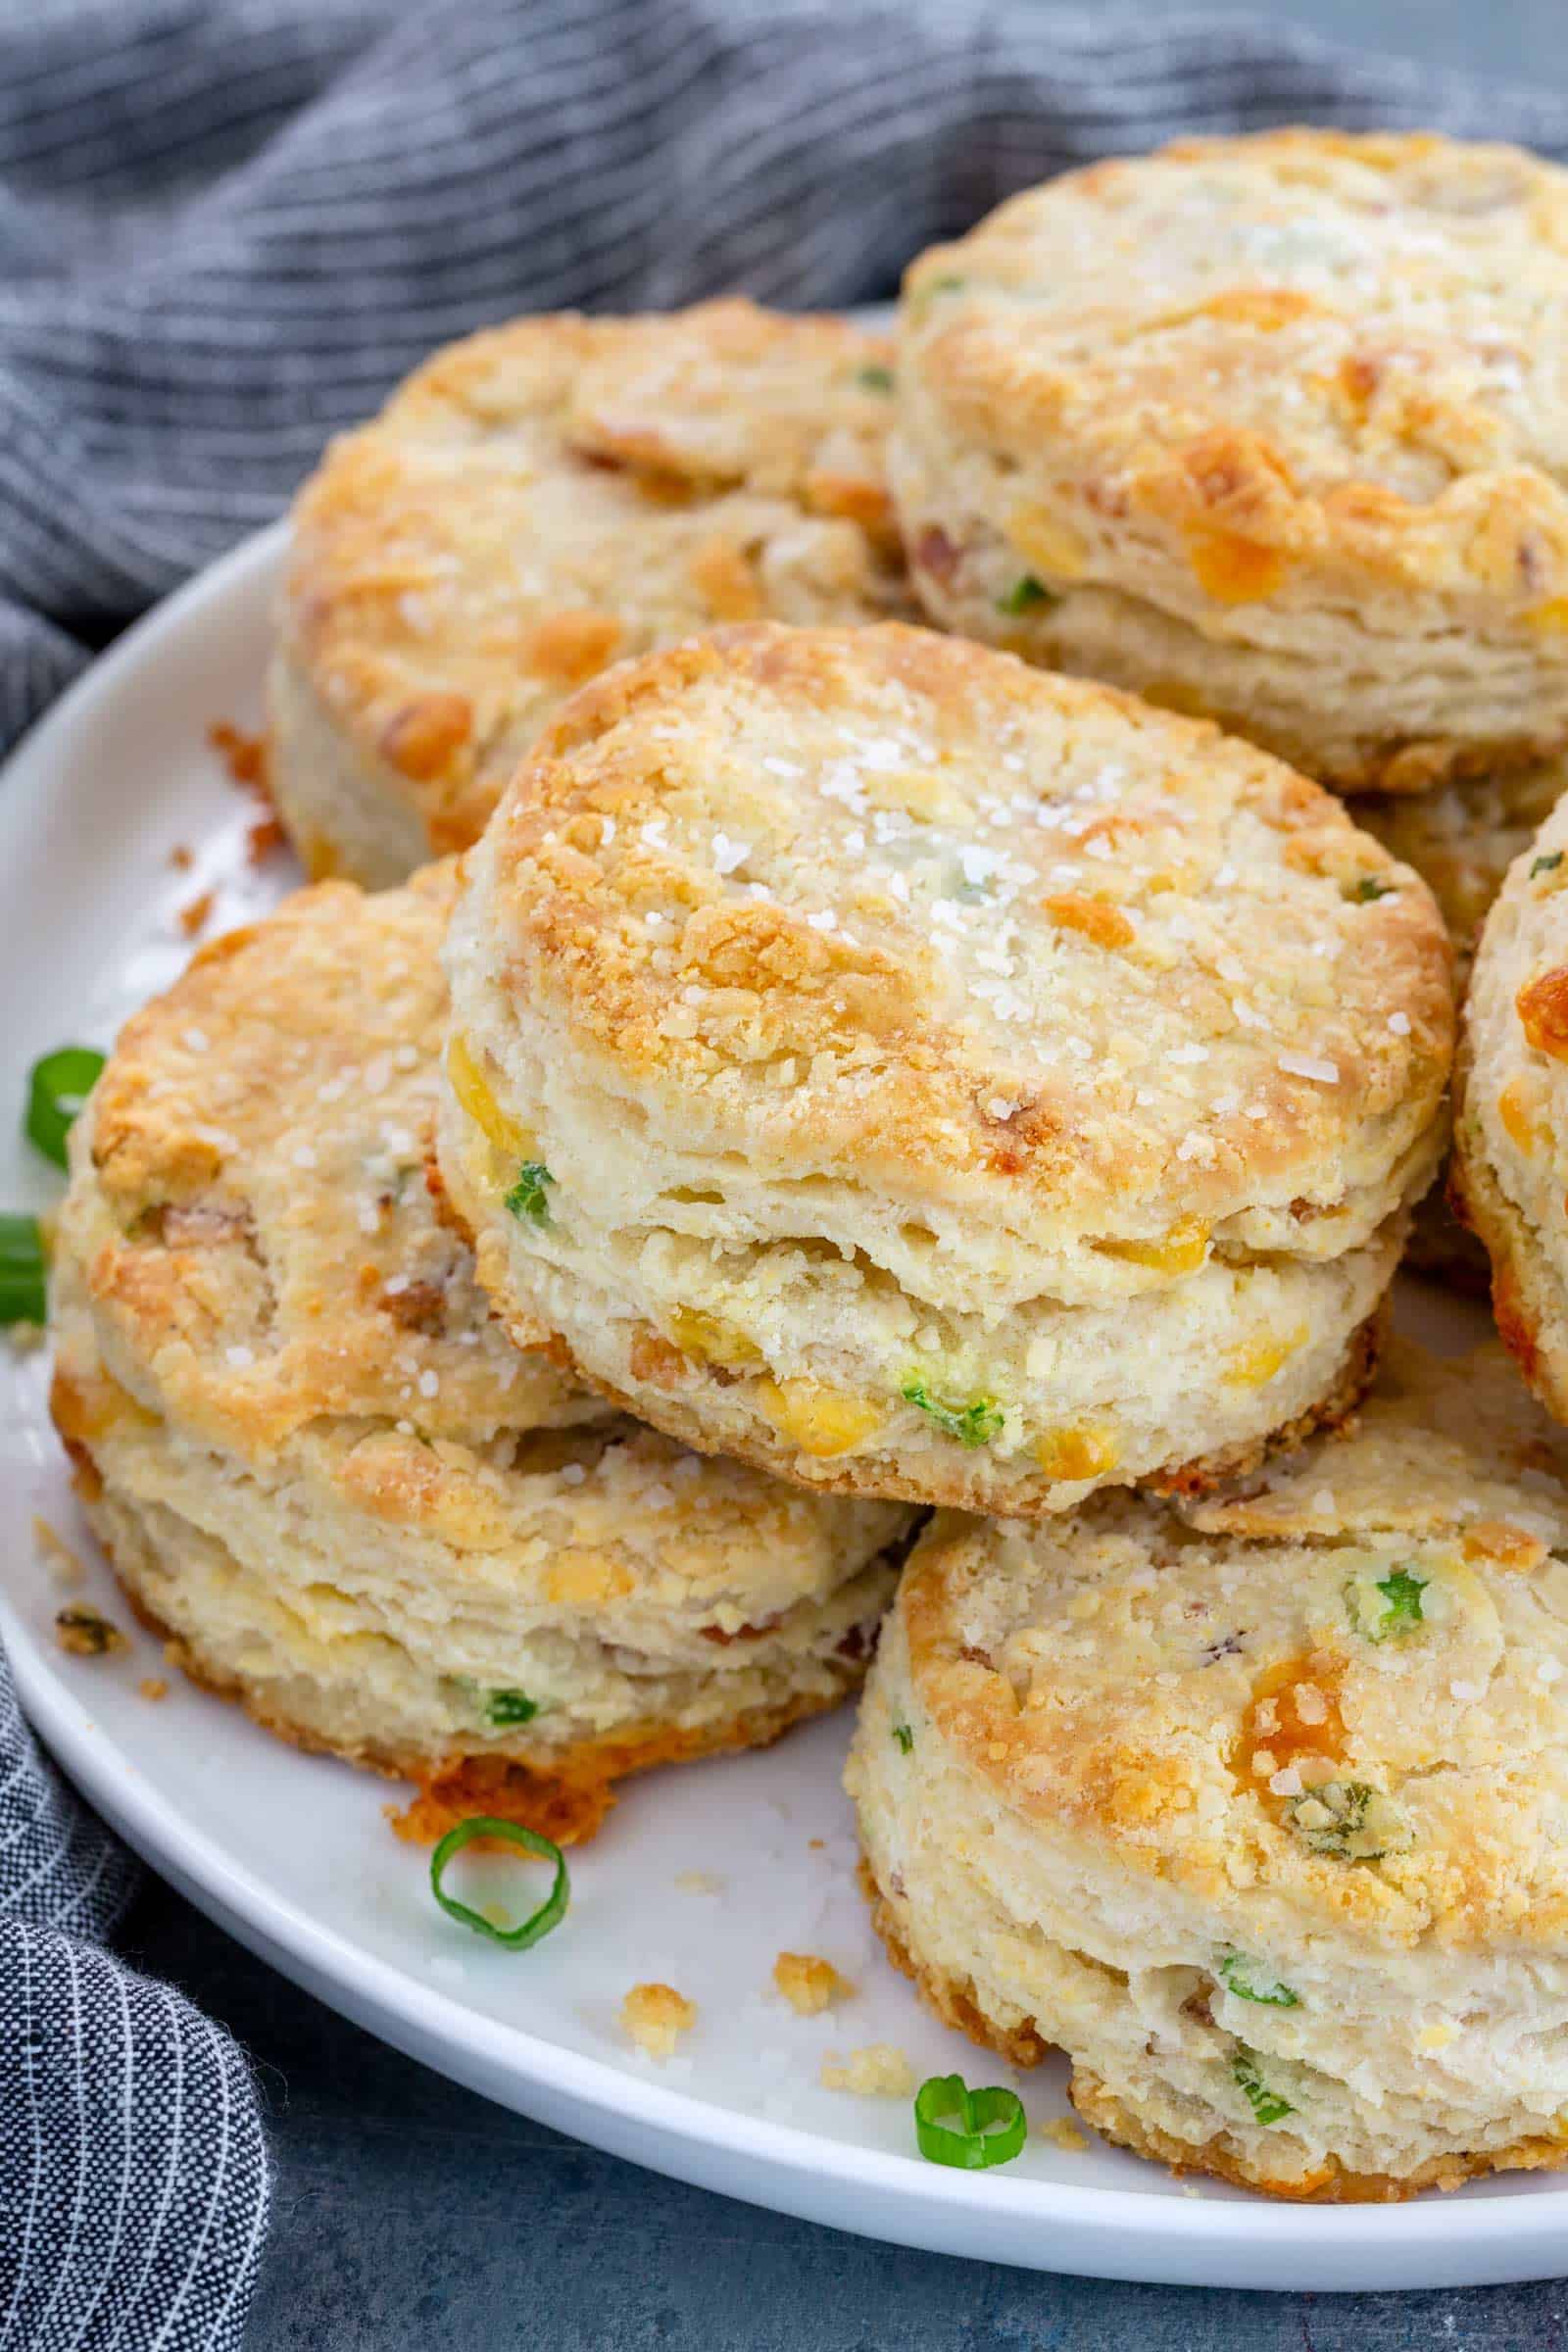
x=419, y=1306
x=1105, y=924
x=194, y=914
x=1543, y=1009
x=934, y=551
x=262, y=839
x=244, y=757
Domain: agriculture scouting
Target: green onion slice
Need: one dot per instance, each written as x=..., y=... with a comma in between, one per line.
x=58, y=1088
x=1251, y=1983
x=990, y=2126
x=1371, y=887
x=876, y=378
x=1546, y=863
x=550, y=1912
x=904, y=1736
x=974, y=1424
x=22, y=1287
x=1024, y=595
x=526, y=1198
x=1268, y=2107
x=503, y=1707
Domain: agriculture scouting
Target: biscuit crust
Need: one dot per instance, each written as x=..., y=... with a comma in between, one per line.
x=1462, y=838
x=1510, y=1163
x=1270, y=428
x=535, y=503
x=325, y=1472
x=887, y=1016
x=1247, y=1802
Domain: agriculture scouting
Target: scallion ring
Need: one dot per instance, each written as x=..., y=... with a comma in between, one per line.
x=23, y=1286
x=550, y=1912
x=991, y=2125
x=59, y=1086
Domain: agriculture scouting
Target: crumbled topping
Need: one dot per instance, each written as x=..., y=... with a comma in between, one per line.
x=53, y=1548
x=1063, y=2132
x=656, y=2016
x=881, y=2069
x=808, y=1984
x=86, y=1634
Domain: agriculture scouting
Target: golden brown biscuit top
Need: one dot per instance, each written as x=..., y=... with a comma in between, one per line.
x=250, y=1202
x=1309, y=355
x=1343, y=1690
x=555, y=495
x=889, y=907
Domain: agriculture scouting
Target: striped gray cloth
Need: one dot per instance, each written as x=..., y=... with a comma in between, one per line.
x=226, y=227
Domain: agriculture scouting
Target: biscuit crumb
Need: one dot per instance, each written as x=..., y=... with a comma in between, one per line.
x=153, y=1686
x=194, y=913
x=808, y=1984
x=183, y=858
x=700, y=1881
x=656, y=2016
x=244, y=756
x=52, y=1547
x=1063, y=2133
x=262, y=839
x=86, y=1635
x=879, y=2071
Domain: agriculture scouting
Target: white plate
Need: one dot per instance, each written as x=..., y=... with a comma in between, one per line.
x=291, y=1852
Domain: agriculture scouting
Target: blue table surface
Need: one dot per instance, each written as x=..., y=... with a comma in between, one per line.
x=411, y=2214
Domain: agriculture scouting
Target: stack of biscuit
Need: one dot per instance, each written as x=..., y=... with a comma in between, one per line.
x=512, y=1327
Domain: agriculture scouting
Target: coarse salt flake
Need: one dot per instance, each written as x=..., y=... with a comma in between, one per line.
x=1315, y=1066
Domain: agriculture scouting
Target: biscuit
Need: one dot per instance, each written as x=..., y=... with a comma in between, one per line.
x=1268, y=428
x=921, y=1075
x=1251, y=1805
x=1461, y=839
x=538, y=502
x=322, y=1470
x=1510, y=1157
